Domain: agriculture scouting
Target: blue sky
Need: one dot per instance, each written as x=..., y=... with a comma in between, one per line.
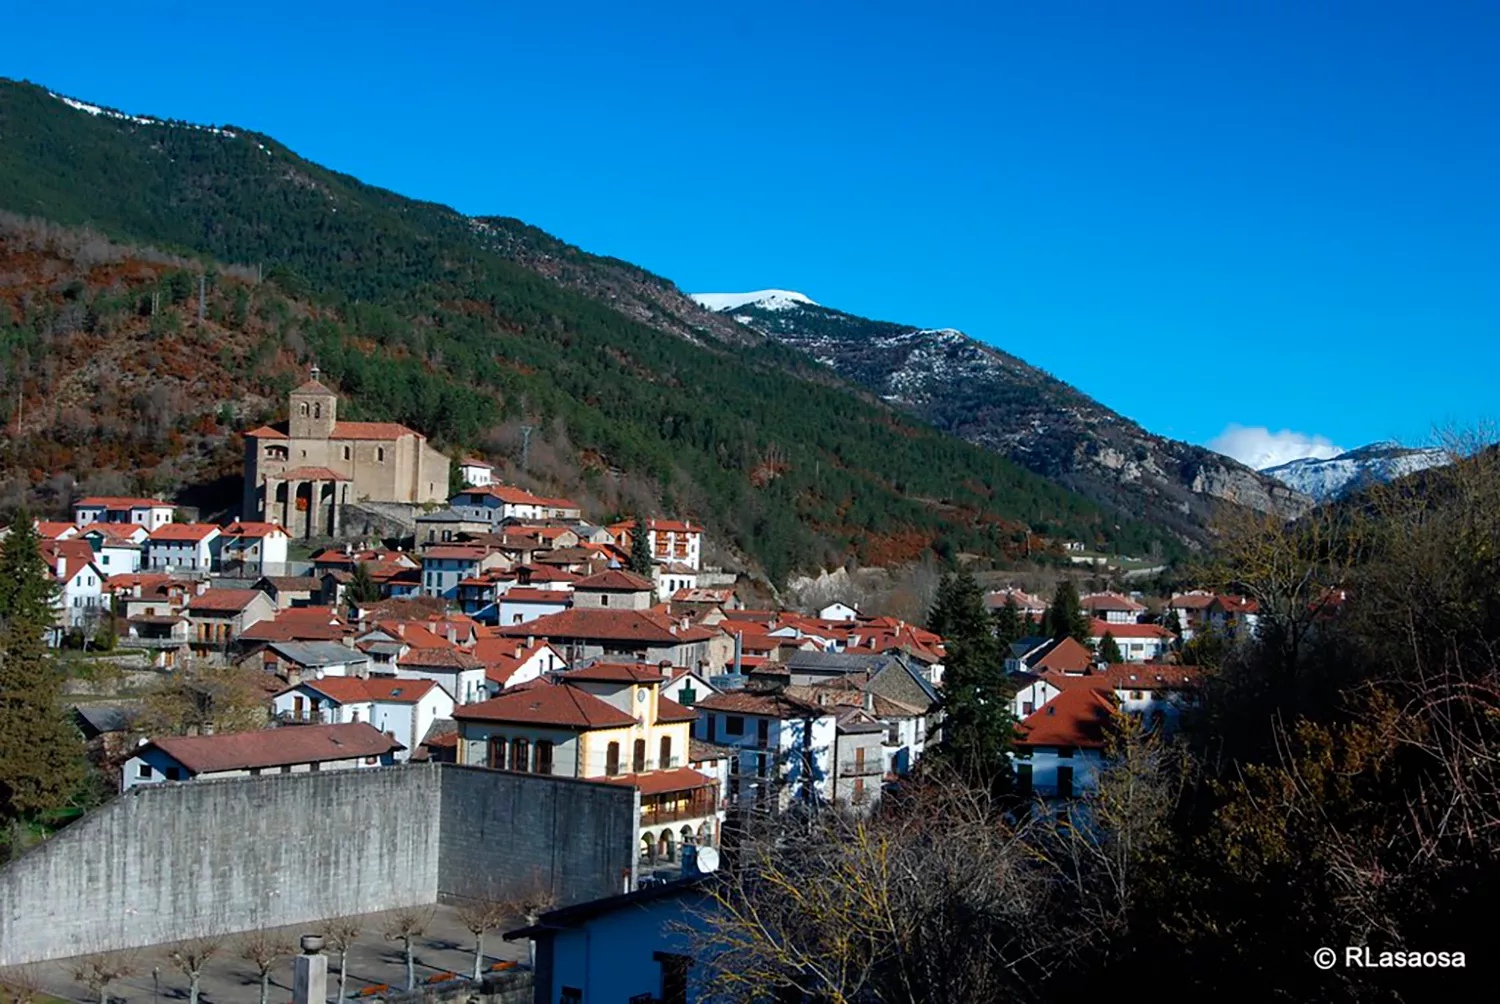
x=1274, y=215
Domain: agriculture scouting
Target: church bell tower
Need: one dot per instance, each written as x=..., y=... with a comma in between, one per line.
x=314, y=410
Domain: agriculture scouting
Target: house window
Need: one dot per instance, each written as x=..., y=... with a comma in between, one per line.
x=1065, y=752
x=544, y=756
x=174, y=773
x=1023, y=779
x=1135, y=695
x=666, y=753
x=674, y=977
x=520, y=755
x=380, y=454
x=687, y=695
x=1026, y=708
x=348, y=451
x=304, y=409
x=612, y=759
x=287, y=769
x=638, y=759
x=143, y=771
x=734, y=725
x=604, y=600
x=497, y=752
x=570, y=995
x=1065, y=782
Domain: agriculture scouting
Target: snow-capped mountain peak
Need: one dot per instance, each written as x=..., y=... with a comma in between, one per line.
x=1334, y=477
x=769, y=299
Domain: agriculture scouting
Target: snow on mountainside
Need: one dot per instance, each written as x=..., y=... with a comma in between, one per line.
x=1338, y=476
x=767, y=299
x=995, y=400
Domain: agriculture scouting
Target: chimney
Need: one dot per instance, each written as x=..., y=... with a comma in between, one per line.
x=293, y=675
x=62, y=567
x=739, y=650
x=869, y=702
x=400, y=629
x=310, y=972
x=452, y=635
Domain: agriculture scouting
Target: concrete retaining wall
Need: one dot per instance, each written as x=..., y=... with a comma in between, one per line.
x=171, y=861
x=504, y=833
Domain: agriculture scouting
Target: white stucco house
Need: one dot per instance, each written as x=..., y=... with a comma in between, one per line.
x=520, y=604
x=118, y=547
x=405, y=709
x=150, y=513
x=1137, y=642
x=249, y=549
x=81, y=596
x=785, y=746
x=1059, y=748
x=476, y=473
x=838, y=612
x=182, y=547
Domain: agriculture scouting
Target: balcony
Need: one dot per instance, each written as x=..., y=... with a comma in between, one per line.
x=701, y=805
x=862, y=768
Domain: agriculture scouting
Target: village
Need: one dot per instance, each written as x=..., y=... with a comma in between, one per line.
x=508, y=632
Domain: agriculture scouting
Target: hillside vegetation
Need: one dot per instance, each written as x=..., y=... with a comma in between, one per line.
x=408, y=307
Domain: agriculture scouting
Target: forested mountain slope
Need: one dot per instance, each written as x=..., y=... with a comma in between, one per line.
x=996, y=400
x=418, y=316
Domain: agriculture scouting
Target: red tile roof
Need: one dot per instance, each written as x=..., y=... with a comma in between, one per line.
x=184, y=531
x=1098, y=629
x=1075, y=717
x=459, y=551
x=266, y=432
x=659, y=782
x=223, y=601
x=120, y=502
x=128, y=532
x=617, y=672
x=642, y=626
x=1192, y=601
x=370, y=430
x=49, y=529
x=442, y=659
x=668, y=710
x=277, y=747
x=615, y=580
x=524, y=594
x=1110, y=601
x=312, y=474
x=769, y=704
x=353, y=690
x=542, y=702
x=76, y=555
x=1069, y=655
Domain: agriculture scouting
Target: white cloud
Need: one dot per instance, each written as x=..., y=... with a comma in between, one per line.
x=1260, y=448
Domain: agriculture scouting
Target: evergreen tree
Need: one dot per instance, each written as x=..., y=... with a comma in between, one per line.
x=41, y=765
x=1174, y=623
x=977, y=723
x=1008, y=625
x=1109, y=649
x=362, y=586
x=640, y=548
x=1065, y=618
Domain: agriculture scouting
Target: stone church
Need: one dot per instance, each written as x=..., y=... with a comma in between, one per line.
x=301, y=472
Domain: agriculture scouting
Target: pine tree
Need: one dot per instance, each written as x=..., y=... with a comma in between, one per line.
x=362, y=586
x=1008, y=625
x=640, y=548
x=1174, y=623
x=1065, y=618
x=1109, y=650
x=977, y=723
x=41, y=763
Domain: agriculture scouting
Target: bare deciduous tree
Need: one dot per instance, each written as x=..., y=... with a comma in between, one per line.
x=263, y=949
x=24, y=983
x=190, y=956
x=100, y=970
x=406, y=926
x=340, y=934
x=480, y=916
x=940, y=897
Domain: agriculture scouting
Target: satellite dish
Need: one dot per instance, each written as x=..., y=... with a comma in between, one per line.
x=708, y=860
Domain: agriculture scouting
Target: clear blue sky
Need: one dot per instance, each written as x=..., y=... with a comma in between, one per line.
x=1279, y=214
